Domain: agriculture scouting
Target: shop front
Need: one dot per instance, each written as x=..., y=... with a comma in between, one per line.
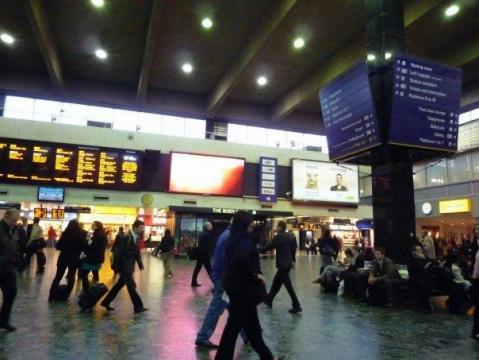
x=189, y=221
x=450, y=219
x=305, y=228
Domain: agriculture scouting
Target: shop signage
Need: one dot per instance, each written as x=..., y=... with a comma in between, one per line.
x=111, y=219
x=224, y=211
x=40, y=213
x=426, y=208
x=267, y=180
x=58, y=213
x=77, y=209
x=454, y=206
x=8, y=205
x=113, y=210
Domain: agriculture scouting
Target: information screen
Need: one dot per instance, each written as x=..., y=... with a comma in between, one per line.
x=425, y=106
x=29, y=162
x=348, y=114
x=203, y=174
x=325, y=182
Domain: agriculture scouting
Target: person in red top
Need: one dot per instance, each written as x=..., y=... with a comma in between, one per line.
x=52, y=237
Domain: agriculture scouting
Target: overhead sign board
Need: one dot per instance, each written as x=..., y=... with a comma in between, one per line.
x=268, y=180
x=454, y=206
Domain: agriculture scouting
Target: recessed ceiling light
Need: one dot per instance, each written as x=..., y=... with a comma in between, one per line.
x=298, y=43
x=371, y=57
x=187, y=68
x=101, y=54
x=97, y=3
x=452, y=10
x=387, y=55
x=262, y=80
x=7, y=38
x=207, y=23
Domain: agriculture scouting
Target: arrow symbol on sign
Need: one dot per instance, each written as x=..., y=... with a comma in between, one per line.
x=268, y=198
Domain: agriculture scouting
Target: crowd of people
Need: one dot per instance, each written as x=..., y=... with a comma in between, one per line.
x=365, y=273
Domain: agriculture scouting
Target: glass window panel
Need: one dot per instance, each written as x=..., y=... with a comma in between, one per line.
x=173, y=125
x=313, y=140
x=459, y=169
x=257, y=136
x=475, y=114
x=436, y=173
x=18, y=107
x=74, y=114
x=475, y=164
x=237, y=133
x=419, y=175
x=149, y=123
x=125, y=120
x=276, y=138
x=464, y=118
x=97, y=113
x=294, y=140
x=45, y=110
x=195, y=128
x=365, y=186
x=325, y=148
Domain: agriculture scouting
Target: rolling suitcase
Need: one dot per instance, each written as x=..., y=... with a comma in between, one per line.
x=89, y=299
x=60, y=293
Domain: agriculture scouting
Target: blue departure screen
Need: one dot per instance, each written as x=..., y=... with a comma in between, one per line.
x=348, y=114
x=425, y=104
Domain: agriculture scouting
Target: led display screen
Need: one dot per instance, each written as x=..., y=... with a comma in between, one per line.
x=325, y=182
x=30, y=162
x=51, y=194
x=203, y=174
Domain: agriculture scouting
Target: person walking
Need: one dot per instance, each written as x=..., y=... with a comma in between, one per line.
x=125, y=255
x=285, y=247
x=167, y=244
x=242, y=269
x=22, y=231
x=72, y=242
x=52, y=237
x=206, y=242
x=35, y=244
x=9, y=256
x=93, y=255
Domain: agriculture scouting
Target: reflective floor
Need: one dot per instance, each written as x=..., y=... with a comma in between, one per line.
x=329, y=328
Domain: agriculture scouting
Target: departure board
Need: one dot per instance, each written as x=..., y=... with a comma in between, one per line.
x=30, y=162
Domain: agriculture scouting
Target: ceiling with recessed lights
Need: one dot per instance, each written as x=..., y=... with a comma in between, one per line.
x=229, y=45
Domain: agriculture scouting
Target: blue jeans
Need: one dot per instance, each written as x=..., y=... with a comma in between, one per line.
x=215, y=310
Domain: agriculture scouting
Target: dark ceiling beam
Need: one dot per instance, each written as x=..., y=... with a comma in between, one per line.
x=45, y=40
x=262, y=32
x=463, y=53
x=151, y=41
x=349, y=54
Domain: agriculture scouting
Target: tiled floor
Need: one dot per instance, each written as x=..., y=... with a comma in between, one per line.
x=329, y=328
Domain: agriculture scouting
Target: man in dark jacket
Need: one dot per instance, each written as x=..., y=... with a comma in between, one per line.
x=384, y=275
x=285, y=247
x=9, y=257
x=420, y=278
x=206, y=245
x=22, y=236
x=125, y=255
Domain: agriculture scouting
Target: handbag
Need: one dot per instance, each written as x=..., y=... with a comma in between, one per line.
x=257, y=291
x=37, y=244
x=193, y=253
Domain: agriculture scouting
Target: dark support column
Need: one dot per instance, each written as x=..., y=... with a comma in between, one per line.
x=393, y=191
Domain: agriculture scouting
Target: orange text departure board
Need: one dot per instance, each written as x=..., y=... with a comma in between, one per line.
x=24, y=161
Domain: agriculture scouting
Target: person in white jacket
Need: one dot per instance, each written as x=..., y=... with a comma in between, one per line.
x=428, y=246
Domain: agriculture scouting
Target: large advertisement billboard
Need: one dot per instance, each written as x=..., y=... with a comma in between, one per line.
x=325, y=182
x=208, y=175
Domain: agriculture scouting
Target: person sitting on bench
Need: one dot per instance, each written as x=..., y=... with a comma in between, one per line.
x=384, y=277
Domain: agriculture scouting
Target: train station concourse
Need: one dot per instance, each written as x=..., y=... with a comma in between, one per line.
x=166, y=166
